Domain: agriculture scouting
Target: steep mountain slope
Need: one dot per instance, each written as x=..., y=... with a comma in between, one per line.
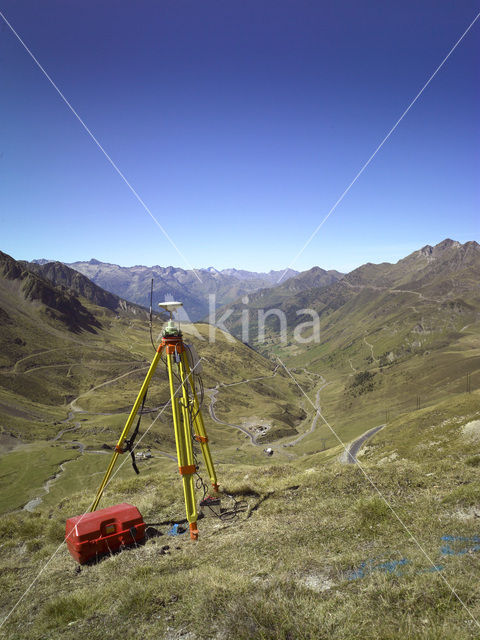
x=192, y=288
x=61, y=275
x=446, y=275
x=57, y=303
x=273, y=297
x=392, y=337
x=48, y=336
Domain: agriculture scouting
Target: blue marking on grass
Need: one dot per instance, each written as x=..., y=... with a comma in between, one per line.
x=448, y=551
x=460, y=539
x=436, y=567
x=392, y=566
x=176, y=530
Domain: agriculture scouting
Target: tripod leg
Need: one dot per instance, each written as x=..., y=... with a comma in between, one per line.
x=126, y=428
x=199, y=427
x=184, y=445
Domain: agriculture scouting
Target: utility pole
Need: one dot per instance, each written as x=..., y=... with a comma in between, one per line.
x=468, y=383
x=418, y=402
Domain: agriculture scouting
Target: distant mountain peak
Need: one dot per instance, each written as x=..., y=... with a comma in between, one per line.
x=447, y=244
x=434, y=252
x=426, y=250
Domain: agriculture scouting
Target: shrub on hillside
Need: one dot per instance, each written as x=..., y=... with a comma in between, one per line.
x=362, y=383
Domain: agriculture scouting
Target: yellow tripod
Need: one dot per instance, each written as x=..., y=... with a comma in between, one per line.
x=187, y=419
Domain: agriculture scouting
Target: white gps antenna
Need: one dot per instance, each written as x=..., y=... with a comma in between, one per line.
x=171, y=307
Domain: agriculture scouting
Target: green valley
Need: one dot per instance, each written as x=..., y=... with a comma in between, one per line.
x=385, y=548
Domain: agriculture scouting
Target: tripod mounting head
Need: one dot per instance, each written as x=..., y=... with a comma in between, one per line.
x=171, y=307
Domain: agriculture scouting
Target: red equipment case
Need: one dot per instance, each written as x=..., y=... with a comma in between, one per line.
x=104, y=531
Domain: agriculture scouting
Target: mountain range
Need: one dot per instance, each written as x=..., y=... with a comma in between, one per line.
x=192, y=287
x=376, y=316
x=447, y=274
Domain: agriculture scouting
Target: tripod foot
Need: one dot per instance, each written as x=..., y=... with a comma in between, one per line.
x=193, y=531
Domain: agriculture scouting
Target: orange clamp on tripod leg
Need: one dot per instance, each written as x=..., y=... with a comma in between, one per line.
x=181, y=423
x=199, y=427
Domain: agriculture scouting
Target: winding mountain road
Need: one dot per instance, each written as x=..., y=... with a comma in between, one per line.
x=13, y=369
x=353, y=368
x=315, y=417
x=253, y=439
x=213, y=398
x=211, y=409
x=392, y=290
x=78, y=409
x=350, y=455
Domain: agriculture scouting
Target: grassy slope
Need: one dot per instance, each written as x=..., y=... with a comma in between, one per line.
x=417, y=344
x=300, y=563
x=430, y=367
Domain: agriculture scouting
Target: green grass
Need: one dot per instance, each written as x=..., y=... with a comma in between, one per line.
x=309, y=559
x=284, y=568
x=25, y=470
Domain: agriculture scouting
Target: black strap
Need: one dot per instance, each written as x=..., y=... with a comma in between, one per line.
x=133, y=533
x=129, y=443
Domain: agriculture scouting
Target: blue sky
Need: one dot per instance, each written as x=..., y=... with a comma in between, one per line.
x=239, y=124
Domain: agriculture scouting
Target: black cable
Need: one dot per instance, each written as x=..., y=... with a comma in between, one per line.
x=130, y=442
x=202, y=391
x=194, y=377
x=238, y=505
x=150, y=316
